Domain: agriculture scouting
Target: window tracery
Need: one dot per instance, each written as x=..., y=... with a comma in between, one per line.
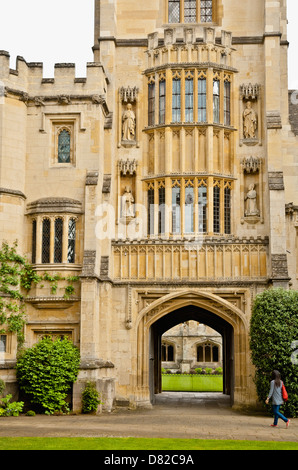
x=190, y=11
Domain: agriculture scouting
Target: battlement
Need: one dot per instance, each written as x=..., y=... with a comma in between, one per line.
x=27, y=79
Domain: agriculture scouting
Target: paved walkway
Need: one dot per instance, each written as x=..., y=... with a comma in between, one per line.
x=175, y=415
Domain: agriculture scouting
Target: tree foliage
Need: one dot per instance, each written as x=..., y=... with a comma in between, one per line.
x=273, y=331
x=15, y=276
x=16, y=279
x=47, y=371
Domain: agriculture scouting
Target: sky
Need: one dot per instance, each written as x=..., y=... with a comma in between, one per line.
x=62, y=31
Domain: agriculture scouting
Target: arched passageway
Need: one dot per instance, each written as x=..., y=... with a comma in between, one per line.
x=181, y=315
x=205, y=307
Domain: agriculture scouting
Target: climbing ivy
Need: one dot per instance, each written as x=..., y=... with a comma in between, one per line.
x=16, y=279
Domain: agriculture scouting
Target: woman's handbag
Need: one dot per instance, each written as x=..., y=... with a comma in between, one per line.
x=284, y=393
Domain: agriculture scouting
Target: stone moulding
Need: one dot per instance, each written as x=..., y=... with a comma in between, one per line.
x=12, y=192
x=54, y=205
x=52, y=303
x=62, y=100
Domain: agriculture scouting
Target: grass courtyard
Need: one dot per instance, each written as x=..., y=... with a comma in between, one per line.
x=137, y=444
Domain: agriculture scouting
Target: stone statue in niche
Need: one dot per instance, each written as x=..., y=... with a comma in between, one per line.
x=251, y=202
x=127, y=203
x=128, y=124
x=250, y=122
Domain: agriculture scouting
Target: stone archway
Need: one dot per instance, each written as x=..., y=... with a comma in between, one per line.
x=207, y=307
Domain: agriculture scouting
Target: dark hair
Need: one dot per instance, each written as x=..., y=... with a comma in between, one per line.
x=276, y=377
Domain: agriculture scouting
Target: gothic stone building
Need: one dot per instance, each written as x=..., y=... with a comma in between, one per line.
x=166, y=180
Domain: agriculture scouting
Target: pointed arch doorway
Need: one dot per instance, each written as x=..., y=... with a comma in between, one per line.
x=182, y=315
x=205, y=307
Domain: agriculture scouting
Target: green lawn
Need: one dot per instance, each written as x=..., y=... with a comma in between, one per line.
x=35, y=443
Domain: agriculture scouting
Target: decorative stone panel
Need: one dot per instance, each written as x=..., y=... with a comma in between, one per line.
x=276, y=181
x=279, y=266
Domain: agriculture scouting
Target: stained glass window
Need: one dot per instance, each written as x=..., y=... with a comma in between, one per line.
x=46, y=236
x=174, y=11
x=64, y=146
x=206, y=11
x=58, y=241
x=71, y=241
x=190, y=11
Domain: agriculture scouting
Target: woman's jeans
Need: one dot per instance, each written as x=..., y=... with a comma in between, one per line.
x=277, y=414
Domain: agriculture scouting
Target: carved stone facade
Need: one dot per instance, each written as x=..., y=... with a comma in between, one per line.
x=165, y=181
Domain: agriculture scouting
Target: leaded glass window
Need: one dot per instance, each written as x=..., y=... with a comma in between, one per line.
x=46, y=237
x=58, y=241
x=216, y=100
x=202, y=209
x=176, y=211
x=151, y=104
x=189, y=100
x=162, y=102
x=64, y=146
x=176, y=101
x=151, y=211
x=3, y=339
x=174, y=11
x=190, y=11
x=34, y=242
x=206, y=11
x=161, y=210
x=216, y=209
x=71, y=241
x=227, y=103
x=202, y=100
x=189, y=209
x=227, y=202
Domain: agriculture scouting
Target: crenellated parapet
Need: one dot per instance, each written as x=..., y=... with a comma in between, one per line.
x=27, y=83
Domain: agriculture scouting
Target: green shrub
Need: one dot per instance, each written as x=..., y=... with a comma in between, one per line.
x=10, y=409
x=47, y=371
x=198, y=370
x=218, y=371
x=90, y=399
x=2, y=386
x=208, y=370
x=30, y=413
x=273, y=329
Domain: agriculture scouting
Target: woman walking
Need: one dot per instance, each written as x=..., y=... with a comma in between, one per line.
x=277, y=400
